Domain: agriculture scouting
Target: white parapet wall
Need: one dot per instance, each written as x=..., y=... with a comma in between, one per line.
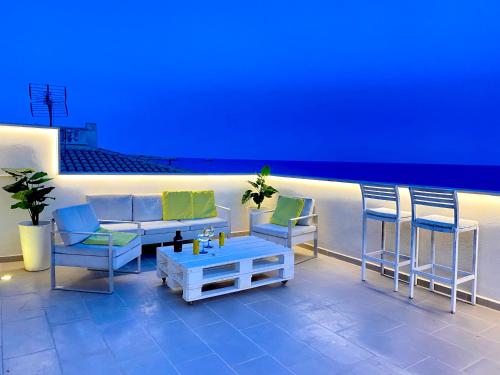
x=338, y=203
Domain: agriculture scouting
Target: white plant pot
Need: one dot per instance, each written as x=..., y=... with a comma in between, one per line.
x=35, y=243
x=255, y=209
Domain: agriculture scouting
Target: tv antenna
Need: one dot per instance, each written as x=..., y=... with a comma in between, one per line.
x=48, y=100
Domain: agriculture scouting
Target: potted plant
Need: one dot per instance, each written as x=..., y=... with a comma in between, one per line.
x=31, y=193
x=260, y=189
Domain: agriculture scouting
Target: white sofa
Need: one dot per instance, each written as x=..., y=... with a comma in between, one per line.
x=146, y=209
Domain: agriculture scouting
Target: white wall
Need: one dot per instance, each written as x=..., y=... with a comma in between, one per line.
x=338, y=204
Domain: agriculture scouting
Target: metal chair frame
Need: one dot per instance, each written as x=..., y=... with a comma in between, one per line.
x=448, y=199
x=390, y=193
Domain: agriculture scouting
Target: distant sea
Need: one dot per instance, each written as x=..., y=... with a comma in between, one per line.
x=466, y=177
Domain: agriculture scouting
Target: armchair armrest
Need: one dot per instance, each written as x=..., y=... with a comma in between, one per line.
x=87, y=233
x=290, y=225
x=313, y=216
x=138, y=223
x=259, y=217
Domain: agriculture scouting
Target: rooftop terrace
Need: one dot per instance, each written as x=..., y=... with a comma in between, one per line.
x=325, y=321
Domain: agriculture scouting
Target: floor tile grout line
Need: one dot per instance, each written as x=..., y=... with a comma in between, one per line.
x=59, y=362
x=161, y=349
x=252, y=341
x=208, y=346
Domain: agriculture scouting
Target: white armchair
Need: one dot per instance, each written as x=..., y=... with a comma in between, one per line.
x=74, y=225
x=305, y=230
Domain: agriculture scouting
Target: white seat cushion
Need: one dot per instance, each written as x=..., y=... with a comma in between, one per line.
x=281, y=231
x=161, y=226
x=122, y=227
x=96, y=250
x=147, y=207
x=198, y=224
x=445, y=221
x=387, y=212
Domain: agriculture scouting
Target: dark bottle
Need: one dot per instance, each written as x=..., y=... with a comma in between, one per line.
x=177, y=242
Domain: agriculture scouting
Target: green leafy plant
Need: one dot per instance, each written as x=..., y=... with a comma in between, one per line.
x=29, y=190
x=262, y=190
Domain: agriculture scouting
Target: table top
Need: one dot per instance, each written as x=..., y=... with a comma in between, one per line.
x=234, y=249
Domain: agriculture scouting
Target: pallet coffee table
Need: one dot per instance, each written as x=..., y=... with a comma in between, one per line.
x=243, y=263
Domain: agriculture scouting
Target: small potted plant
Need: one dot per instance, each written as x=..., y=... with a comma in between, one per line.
x=260, y=189
x=31, y=193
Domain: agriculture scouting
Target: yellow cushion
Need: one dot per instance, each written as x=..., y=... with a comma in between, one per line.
x=117, y=238
x=286, y=209
x=204, y=204
x=177, y=205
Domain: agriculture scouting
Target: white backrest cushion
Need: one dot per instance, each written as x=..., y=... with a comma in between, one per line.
x=81, y=218
x=112, y=206
x=307, y=210
x=147, y=207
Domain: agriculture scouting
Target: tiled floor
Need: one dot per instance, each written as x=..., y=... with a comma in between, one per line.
x=325, y=321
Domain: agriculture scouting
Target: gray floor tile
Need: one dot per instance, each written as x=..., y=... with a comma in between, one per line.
x=178, y=341
x=446, y=352
x=483, y=367
x=210, y=364
x=236, y=313
x=26, y=337
x=280, y=344
x=128, y=340
x=67, y=312
x=432, y=366
x=100, y=363
x=468, y=340
x=383, y=346
x=152, y=362
x=78, y=339
x=44, y=362
x=232, y=346
x=281, y=315
x=23, y=306
x=262, y=365
x=331, y=345
x=195, y=315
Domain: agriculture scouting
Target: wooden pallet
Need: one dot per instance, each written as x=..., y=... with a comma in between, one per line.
x=243, y=263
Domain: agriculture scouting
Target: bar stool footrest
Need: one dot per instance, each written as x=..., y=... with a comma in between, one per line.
x=420, y=271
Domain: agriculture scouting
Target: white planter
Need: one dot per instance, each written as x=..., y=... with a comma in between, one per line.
x=255, y=209
x=35, y=243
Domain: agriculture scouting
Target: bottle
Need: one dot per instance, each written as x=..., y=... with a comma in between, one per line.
x=177, y=242
x=196, y=247
x=222, y=237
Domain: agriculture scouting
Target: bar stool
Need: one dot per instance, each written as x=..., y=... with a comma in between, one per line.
x=448, y=199
x=379, y=192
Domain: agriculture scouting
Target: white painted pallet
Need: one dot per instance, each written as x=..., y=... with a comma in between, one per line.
x=238, y=261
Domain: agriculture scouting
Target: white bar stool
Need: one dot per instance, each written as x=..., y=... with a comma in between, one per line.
x=448, y=199
x=379, y=192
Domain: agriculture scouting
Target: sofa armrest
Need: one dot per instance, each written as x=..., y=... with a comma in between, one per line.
x=224, y=213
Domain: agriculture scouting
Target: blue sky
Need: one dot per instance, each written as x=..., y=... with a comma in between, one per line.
x=351, y=80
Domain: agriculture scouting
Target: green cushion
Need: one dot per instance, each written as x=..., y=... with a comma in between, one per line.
x=117, y=238
x=204, y=204
x=286, y=209
x=177, y=205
